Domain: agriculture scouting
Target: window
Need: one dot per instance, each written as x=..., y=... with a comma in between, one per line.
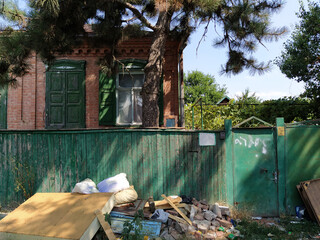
x=119, y=95
x=129, y=100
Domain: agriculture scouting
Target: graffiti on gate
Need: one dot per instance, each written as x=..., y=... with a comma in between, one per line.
x=250, y=141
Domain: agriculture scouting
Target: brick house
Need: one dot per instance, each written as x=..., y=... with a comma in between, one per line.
x=74, y=93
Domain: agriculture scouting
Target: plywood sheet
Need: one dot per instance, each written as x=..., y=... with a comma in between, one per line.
x=312, y=190
x=56, y=215
x=306, y=202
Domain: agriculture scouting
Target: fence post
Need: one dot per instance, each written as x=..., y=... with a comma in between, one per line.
x=229, y=161
x=201, y=114
x=280, y=132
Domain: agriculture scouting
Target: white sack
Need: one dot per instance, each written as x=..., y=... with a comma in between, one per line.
x=114, y=184
x=86, y=186
x=127, y=195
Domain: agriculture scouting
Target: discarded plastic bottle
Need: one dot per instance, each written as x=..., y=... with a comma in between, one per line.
x=231, y=236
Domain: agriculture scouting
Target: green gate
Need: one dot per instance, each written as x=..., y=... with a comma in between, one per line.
x=255, y=171
x=3, y=107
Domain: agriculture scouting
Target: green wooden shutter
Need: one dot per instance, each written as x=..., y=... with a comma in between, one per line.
x=3, y=107
x=107, y=100
x=75, y=112
x=55, y=98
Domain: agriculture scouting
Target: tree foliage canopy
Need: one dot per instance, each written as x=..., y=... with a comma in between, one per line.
x=300, y=59
x=247, y=98
x=54, y=26
x=198, y=84
x=290, y=108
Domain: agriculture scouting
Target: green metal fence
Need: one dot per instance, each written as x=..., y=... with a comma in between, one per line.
x=156, y=162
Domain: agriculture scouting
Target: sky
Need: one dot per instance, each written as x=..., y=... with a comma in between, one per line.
x=270, y=85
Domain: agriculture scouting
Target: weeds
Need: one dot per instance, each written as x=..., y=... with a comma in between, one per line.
x=24, y=178
x=132, y=230
x=285, y=228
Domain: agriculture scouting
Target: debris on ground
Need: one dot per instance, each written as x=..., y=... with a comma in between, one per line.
x=309, y=192
x=194, y=220
x=173, y=217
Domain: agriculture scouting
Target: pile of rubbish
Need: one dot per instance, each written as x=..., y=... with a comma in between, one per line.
x=177, y=218
x=171, y=218
x=206, y=221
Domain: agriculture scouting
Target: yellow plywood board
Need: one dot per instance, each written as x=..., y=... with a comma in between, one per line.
x=56, y=216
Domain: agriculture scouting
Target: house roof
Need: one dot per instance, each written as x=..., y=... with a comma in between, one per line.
x=222, y=99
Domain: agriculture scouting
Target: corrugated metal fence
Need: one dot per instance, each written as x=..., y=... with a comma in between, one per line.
x=156, y=162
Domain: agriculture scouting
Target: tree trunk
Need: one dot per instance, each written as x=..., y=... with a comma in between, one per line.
x=154, y=70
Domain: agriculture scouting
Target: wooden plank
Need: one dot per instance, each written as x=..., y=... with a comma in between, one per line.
x=164, y=202
x=141, y=205
x=177, y=209
x=180, y=220
x=312, y=190
x=105, y=225
x=168, y=206
x=306, y=202
x=13, y=236
x=57, y=215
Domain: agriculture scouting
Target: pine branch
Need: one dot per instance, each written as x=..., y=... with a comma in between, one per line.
x=138, y=14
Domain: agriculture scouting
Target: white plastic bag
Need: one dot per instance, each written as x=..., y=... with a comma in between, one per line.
x=114, y=184
x=86, y=186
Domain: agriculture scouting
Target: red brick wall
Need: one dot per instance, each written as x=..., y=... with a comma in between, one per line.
x=26, y=102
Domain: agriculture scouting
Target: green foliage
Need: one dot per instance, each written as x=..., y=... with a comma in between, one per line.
x=132, y=229
x=10, y=11
x=246, y=98
x=292, y=109
x=198, y=84
x=300, y=58
x=298, y=230
x=245, y=24
x=13, y=52
x=24, y=177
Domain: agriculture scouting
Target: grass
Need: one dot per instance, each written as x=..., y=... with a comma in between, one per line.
x=254, y=230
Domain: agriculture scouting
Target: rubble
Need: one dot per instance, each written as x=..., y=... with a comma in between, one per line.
x=196, y=219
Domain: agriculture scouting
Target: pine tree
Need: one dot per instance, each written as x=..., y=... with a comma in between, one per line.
x=54, y=25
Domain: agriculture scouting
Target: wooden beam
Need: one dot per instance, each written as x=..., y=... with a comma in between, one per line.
x=177, y=209
x=168, y=206
x=180, y=220
x=105, y=225
x=159, y=203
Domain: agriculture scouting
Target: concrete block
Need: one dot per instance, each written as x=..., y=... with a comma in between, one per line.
x=209, y=215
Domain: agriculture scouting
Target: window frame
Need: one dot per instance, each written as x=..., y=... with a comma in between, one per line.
x=128, y=71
